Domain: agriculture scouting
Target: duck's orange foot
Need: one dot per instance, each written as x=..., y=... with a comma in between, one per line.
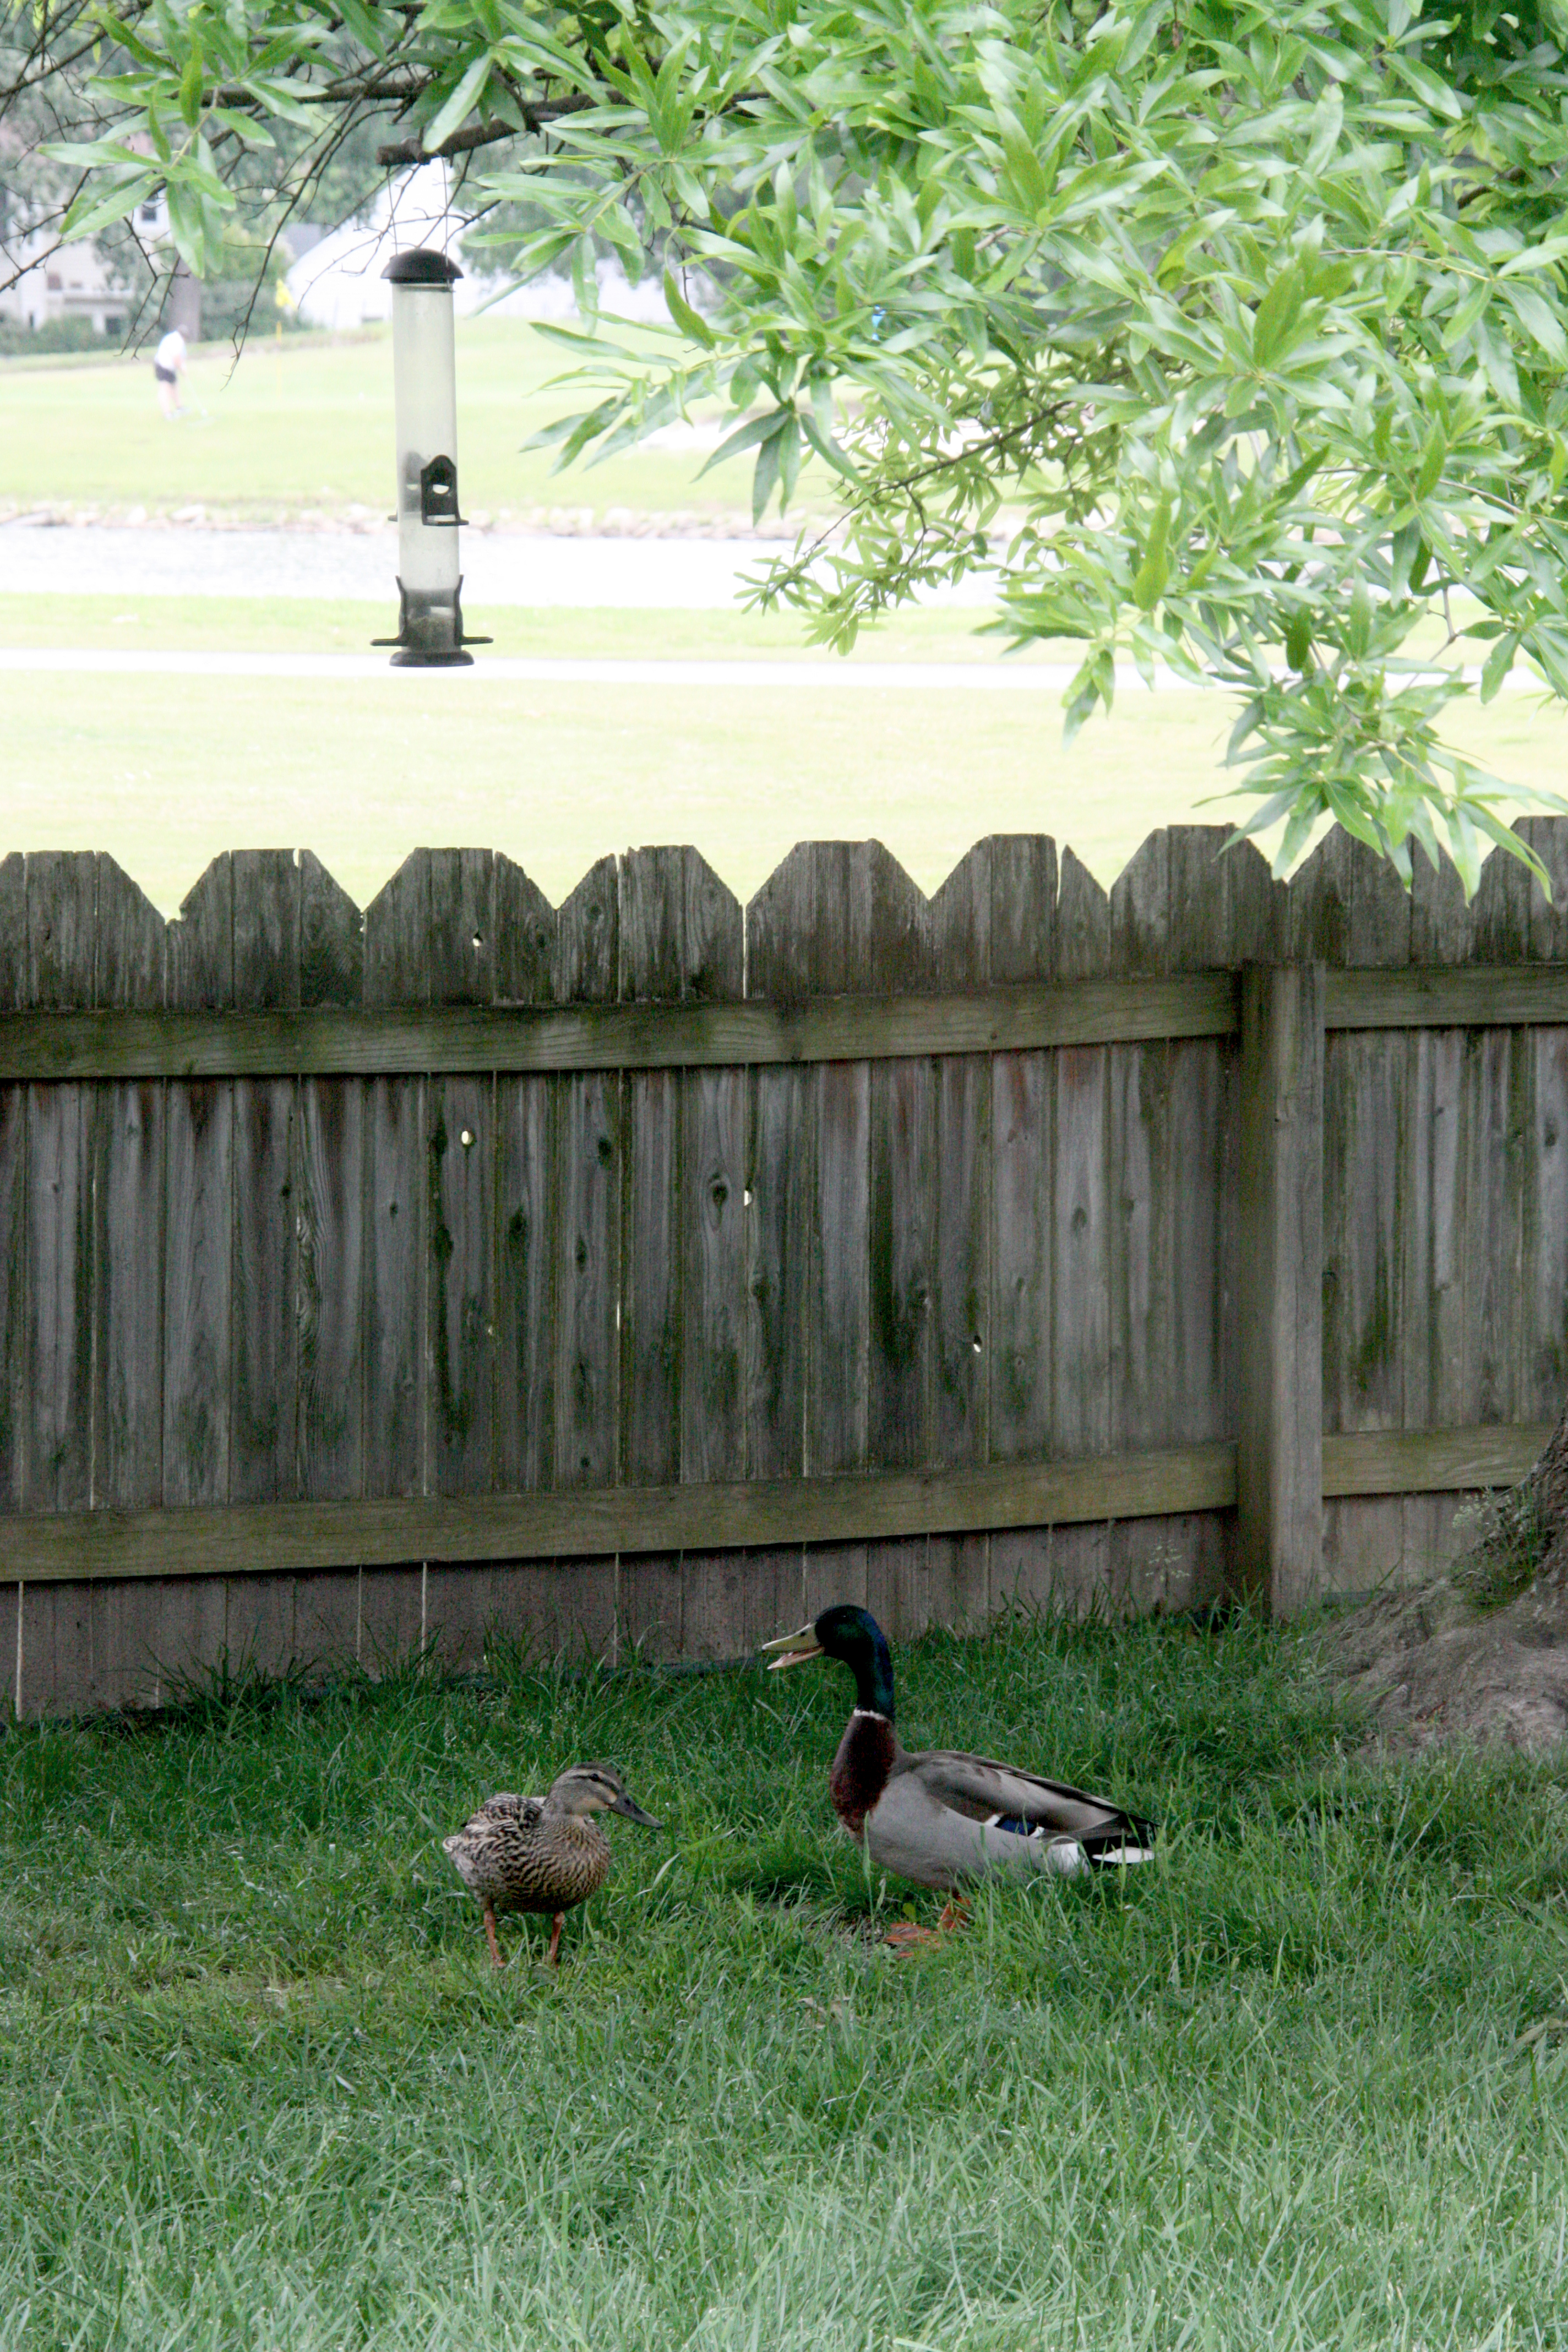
x=552, y=1958
x=907, y=1934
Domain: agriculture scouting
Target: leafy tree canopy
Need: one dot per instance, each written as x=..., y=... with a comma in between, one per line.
x=1242, y=327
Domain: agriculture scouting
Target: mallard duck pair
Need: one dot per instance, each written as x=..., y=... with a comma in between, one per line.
x=935, y=1816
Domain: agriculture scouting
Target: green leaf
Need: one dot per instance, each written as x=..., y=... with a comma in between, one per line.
x=1298, y=641
x=1023, y=163
x=690, y=322
x=1539, y=320
x=1465, y=316
x=1276, y=315
x=192, y=80
x=1497, y=666
x=757, y=430
x=459, y=106
x=1149, y=580
x=1434, y=456
x=826, y=447
x=765, y=475
x=1431, y=90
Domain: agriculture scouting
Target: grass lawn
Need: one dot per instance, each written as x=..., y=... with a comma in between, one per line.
x=202, y=624
x=164, y=772
x=1300, y=2084
x=558, y=773
x=303, y=422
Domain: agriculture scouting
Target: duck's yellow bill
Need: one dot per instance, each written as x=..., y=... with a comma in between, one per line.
x=791, y=1650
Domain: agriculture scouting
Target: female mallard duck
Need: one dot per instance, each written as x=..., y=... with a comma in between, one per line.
x=542, y=1853
x=938, y=1817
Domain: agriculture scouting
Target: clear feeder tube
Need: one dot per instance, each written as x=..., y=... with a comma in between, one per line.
x=424, y=386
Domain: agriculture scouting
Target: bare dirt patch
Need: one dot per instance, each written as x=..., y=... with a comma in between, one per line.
x=1430, y=1669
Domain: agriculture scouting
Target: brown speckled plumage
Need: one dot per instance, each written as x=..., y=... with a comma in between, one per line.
x=542, y=1853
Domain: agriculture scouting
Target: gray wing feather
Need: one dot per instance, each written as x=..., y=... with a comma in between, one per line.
x=975, y=1787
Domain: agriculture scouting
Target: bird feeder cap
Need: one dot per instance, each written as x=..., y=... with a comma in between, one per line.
x=421, y=267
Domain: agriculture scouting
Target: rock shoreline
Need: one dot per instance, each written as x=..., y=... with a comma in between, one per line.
x=359, y=521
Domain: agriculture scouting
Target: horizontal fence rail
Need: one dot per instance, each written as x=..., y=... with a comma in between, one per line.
x=463, y=1039
x=43, y=1046
x=648, y=1269
x=269, y=1539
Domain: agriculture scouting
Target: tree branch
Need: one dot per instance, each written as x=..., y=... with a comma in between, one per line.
x=535, y=119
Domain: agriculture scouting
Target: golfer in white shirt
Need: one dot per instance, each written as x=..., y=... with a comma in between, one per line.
x=168, y=367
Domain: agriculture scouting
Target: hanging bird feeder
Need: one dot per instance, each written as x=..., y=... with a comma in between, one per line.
x=424, y=384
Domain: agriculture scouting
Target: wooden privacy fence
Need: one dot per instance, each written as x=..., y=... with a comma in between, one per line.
x=650, y=1271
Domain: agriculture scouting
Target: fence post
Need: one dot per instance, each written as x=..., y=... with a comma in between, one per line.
x=1280, y=1287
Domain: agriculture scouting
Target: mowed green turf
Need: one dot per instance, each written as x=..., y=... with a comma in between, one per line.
x=164, y=772
x=1300, y=2084
x=130, y=624
x=304, y=422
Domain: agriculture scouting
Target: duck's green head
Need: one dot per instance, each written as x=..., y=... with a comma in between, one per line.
x=852, y=1636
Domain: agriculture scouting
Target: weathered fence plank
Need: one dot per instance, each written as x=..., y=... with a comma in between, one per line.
x=1146, y=1562
x=330, y=1190
x=652, y=962
x=330, y=1183
x=958, y=1567
x=199, y=1217
x=589, y=1184
x=1074, y=1569
x=526, y=1264
x=1543, y=1370
x=13, y=1291
x=390, y=1614
x=588, y=1283
x=128, y=1145
x=13, y=1206
x=264, y=1372
x=58, y=1669
x=780, y=1183
x=1431, y=1332
x=896, y=952
x=1039, y=936
x=1280, y=1305
x=711, y=1255
x=460, y=1240
x=1366, y=1211
x=265, y=1368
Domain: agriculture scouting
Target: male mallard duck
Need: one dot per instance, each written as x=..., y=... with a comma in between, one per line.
x=542, y=1853
x=938, y=1817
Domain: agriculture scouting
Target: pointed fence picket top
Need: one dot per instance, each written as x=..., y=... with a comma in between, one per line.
x=637, y=1274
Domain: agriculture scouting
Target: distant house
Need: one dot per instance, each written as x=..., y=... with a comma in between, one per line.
x=71, y=281
x=56, y=282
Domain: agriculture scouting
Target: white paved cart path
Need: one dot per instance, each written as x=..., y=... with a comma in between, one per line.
x=861, y=676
